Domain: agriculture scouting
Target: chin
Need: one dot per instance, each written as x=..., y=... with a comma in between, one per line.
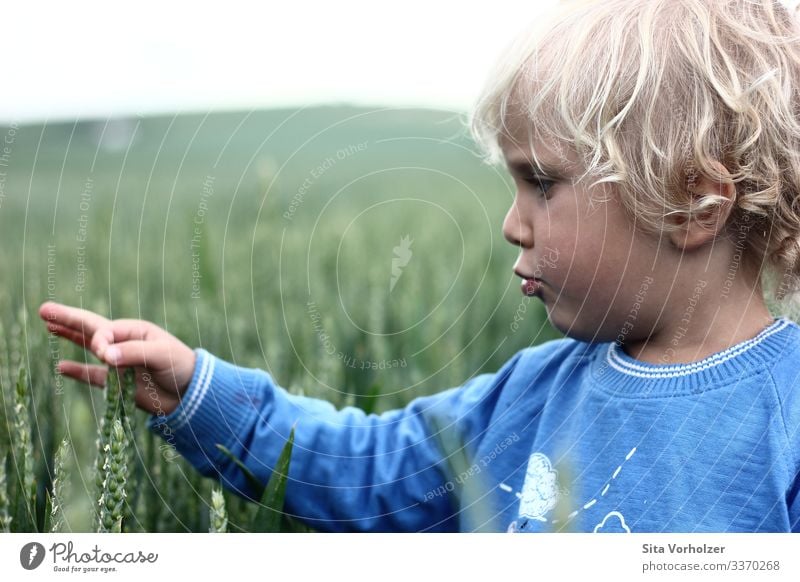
x=577, y=329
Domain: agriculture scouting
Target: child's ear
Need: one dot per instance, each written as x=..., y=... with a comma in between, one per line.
x=711, y=222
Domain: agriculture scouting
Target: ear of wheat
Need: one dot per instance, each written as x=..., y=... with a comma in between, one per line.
x=115, y=471
x=25, y=510
x=218, y=516
x=61, y=489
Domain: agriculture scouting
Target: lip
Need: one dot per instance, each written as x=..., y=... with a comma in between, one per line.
x=531, y=286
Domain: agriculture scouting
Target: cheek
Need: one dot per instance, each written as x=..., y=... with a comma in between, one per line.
x=595, y=244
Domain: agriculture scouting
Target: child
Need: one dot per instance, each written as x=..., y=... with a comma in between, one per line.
x=655, y=148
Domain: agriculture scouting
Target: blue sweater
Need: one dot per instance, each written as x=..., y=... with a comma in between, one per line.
x=566, y=436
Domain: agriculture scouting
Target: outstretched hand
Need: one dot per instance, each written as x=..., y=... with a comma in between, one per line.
x=163, y=364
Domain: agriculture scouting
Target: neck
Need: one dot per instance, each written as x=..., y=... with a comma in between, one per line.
x=709, y=319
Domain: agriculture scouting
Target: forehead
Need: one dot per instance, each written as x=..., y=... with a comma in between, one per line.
x=551, y=157
x=522, y=147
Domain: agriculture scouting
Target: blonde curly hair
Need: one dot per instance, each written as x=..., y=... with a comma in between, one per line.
x=649, y=93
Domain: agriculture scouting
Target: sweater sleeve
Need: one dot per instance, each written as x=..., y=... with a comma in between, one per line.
x=349, y=471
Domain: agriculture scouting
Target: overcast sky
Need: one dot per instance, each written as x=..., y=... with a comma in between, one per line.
x=94, y=59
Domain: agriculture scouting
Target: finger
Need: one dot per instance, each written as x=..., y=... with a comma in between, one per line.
x=69, y=333
x=130, y=329
x=147, y=353
x=86, y=373
x=81, y=320
x=119, y=331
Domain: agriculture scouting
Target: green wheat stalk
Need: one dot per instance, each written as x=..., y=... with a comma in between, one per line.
x=115, y=469
x=128, y=383
x=61, y=488
x=23, y=443
x=113, y=398
x=127, y=414
x=120, y=394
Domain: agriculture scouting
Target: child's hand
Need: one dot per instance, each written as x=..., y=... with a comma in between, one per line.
x=163, y=364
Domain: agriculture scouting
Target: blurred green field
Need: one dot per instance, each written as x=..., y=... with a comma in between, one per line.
x=268, y=238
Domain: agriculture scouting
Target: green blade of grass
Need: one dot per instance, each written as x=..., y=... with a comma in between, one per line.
x=251, y=479
x=268, y=516
x=269, y=513
x=369, y=399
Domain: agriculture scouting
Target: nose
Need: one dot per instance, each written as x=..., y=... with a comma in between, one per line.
x=517, y=227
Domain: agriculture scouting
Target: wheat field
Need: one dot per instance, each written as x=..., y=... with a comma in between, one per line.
x=355, y=254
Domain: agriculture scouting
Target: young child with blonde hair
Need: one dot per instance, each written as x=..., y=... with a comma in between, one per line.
x=655, y=147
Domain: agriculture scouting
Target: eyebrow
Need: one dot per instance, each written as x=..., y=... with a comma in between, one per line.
x=523, y=166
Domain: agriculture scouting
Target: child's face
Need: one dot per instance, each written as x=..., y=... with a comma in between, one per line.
x=594, y=266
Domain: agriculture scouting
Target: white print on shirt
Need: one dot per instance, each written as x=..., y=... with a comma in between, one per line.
x=540, y=492
x=616, y=525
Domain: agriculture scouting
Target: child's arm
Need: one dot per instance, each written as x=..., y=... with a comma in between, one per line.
x=349, y=470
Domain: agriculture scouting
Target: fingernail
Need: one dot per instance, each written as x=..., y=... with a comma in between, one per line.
x=112, y=355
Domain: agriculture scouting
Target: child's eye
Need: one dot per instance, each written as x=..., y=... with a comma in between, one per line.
x=542, y=184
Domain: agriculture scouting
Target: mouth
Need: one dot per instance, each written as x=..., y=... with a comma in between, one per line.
x=531, y=286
